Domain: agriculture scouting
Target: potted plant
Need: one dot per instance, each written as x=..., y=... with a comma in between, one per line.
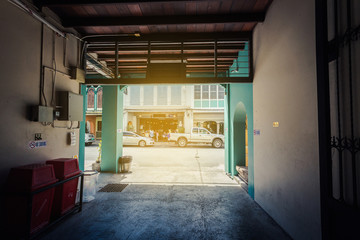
x=96, y=165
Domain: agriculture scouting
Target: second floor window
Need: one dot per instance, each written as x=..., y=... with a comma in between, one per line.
x=208, y=96
x=99, y=98
x=134, y=95
x=91, y=98
x=197, y=92
x=162, y=95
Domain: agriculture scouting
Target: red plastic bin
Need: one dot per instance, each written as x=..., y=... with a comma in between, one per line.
x=20, y=183
x=65, y=194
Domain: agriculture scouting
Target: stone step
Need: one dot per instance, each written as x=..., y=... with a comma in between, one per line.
x=243, y=172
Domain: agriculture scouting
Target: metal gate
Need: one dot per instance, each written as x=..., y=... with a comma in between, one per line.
x=338, y=60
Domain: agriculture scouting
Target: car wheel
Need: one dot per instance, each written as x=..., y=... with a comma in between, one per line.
x=217, y=143
x=142, y=143
x=182, y=142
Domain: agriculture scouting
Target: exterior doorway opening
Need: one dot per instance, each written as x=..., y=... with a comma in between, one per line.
x=157, y=112
x=241, y=140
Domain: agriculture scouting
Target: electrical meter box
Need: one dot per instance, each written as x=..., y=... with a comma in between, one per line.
x=69, y=106
x=42, y=114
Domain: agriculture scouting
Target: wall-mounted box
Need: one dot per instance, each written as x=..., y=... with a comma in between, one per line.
x=77, y=74
x=42, y=114
x=69, y=106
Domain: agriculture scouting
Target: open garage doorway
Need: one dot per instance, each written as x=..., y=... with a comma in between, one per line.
x=156, y=118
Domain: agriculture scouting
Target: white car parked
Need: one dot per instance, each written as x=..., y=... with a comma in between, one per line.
x=89, y=139
x=131, y=138
x=198, y=135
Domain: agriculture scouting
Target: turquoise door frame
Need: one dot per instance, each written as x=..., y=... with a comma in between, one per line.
x=238, y=101
x=81, y=156
x=238, y=105
x=112, y=125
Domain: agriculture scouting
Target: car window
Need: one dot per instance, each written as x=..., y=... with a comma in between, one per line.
x=203, y=131
x=195, y=130
x=126, y=134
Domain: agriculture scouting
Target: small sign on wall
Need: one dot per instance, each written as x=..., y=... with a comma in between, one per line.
x=72, y=139
x=37, y=144
x=256, y=132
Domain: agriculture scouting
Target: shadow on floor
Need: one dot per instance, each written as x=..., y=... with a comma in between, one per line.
x=170, y=212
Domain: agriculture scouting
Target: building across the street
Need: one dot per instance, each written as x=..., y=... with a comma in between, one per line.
x=163, y=108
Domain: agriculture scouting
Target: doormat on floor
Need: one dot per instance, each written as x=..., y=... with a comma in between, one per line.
x=113, y=188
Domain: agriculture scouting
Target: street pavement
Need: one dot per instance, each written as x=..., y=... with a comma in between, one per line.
x=168, y=164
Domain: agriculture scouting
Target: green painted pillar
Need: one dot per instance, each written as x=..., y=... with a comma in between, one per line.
x=112, y=125
x=226, y=128
x=81, y=156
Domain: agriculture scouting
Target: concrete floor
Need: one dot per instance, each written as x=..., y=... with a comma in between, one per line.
x=170, y=212
x=171, y=195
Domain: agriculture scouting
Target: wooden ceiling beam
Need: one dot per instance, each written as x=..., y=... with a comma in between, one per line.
x=184, y=80
x=161, y=20
x=172, y=37
x=238, y=47
x=167, y=56
x=72, y=3
x=111, y=64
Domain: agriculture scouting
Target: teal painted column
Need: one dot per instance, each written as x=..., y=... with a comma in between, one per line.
x=226, y=128
x=239, y=93
x=81, y=156
x=112, y=125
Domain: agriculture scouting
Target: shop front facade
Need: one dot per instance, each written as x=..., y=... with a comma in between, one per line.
x=163, y=109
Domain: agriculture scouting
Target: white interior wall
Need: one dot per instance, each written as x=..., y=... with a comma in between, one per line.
x=286, y=158
x=20, y=83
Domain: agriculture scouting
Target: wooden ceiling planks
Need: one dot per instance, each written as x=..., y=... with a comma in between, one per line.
x=261, y=5
x=156, y=9
x=159, y=8
x=168, y=9
x=199, y=57
x=135, y=10
x=225, y=6
x=201, y=7
x=190, y=8
x=213, y=7
x=248, y=26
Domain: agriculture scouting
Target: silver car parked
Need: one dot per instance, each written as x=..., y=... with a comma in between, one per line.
x=89, y=139
x=131, y=138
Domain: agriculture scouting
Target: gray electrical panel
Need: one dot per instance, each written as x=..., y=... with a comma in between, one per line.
x=42, y=114
x=69, y=106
